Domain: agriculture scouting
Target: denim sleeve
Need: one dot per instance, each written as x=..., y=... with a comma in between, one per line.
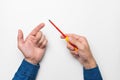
x=92, y=74
x=26, y=71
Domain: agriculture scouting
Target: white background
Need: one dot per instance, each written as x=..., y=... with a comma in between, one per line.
x=98, y=20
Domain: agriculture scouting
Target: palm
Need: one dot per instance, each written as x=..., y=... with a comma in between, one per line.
x=30, y=49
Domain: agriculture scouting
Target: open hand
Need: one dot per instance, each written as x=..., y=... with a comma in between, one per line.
x=34, y=46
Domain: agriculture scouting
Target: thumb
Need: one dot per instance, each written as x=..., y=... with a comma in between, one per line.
x=20, y=37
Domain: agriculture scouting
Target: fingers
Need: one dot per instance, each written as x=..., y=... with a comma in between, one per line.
x=41, y=40
x=37, y=29
x=71, y=35
x=20, y=37
x=77, y=43
x=44, y=43
x=74, y=53
x=70, y=47
x=76, y=40
x=77, y=37
x=38, y=36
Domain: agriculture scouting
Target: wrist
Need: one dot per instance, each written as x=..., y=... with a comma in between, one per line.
x=34, y=62
x=90, y=64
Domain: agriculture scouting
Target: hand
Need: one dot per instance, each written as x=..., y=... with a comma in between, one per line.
x=83, y=54
x=34, y=46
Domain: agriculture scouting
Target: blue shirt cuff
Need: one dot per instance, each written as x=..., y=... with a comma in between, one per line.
x=27, y=70
x=92, y=74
